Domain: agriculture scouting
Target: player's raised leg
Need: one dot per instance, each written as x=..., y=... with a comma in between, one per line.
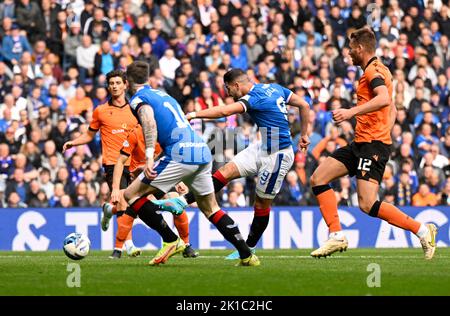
x=325, y=173
x=369, y=203
x=220, y=179
x=136, y=195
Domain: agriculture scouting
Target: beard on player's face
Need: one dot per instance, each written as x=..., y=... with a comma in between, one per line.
x=235, y=92
x=131, y=87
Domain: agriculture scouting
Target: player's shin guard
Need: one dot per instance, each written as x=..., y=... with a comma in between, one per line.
x=230, y=231
x=219, y=182
x=394, y=216
x=259, y=225
x=148, y=213
x=328, y=206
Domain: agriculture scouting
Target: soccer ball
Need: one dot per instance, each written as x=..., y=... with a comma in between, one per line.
x=76, y=246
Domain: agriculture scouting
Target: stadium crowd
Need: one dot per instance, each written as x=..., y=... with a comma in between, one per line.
x=55, y=54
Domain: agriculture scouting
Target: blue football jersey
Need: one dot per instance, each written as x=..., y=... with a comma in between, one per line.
x=266, y=105
x=176, y=137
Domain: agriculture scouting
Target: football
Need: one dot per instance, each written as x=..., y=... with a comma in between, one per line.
x=76, y=246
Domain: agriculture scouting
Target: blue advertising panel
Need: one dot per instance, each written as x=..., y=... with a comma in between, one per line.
x=289, y=227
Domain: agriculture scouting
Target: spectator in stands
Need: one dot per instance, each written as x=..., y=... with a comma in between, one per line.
x=168, y=64
x=300, y=44
x=45, y=183
x=29, y=17
x=64, y=202
x=291, y=191
x=7, y=10
x=238, y=188
x=424, y=197
x=6, y=161
x=85, y=55
x=425, y=139
x=14, y=201
x=14, y=45
x=147, y=55
x=9, y=139
x=445, y=194
x=404, y=190
x=327, y=145
x=18, y=185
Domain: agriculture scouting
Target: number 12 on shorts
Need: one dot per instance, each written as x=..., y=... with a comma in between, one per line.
x=364, y=164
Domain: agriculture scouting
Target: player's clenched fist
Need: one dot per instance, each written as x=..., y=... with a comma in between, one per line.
x=66, y=146
x=150, y=174
x=191, y=115
x=304, y=142
x=115, y=196
x=181, y=188
x=341, y=115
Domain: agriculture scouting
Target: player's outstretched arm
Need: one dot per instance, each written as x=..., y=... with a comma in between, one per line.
x=218, y=111
x=84, y=138
x=117, y=175
x=300, y=103
x=380, y=100
x=149, y=128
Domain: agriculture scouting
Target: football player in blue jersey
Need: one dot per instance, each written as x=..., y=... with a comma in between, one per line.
x=270, y=160
x=185, y=157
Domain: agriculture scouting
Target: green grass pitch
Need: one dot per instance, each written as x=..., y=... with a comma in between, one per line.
x=282, y=272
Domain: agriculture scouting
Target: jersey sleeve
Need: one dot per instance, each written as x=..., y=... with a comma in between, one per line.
x=375, y=77
x=245, y=101
x=95, y=123
x=136, y=103
x=286, y=93
x=129, y=144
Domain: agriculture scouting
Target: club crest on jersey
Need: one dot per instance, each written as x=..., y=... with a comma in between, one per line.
x=264, y=177
x=124, y=125
x=126, y=144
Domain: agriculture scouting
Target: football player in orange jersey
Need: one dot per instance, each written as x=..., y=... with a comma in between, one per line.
x=114, y=119
x=134, y=149
x=367, y=155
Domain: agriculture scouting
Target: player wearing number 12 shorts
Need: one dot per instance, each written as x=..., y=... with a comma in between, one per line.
x=269, y=160
x=367, y=156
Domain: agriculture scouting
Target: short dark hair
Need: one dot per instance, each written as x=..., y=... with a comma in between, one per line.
x=138, y=72
x=233, y=74
x=365, y=37
x=116, y=73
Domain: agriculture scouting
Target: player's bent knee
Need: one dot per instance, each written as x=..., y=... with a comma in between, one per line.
x=127, y=195
x=261, y=203
x=375, y=209
x=315, y=180
x=367, y=206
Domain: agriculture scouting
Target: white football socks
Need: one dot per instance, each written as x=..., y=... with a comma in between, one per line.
x=339, y=235
x=423, y=231
x=128, y=245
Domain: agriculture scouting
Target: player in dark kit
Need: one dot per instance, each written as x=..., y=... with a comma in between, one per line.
x=367, y=155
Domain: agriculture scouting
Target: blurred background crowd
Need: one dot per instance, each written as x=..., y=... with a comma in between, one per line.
x=54, y=55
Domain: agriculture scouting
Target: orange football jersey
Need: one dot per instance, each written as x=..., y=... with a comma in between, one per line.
x=134, y=146
x=114, y=124
x=374, y=125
